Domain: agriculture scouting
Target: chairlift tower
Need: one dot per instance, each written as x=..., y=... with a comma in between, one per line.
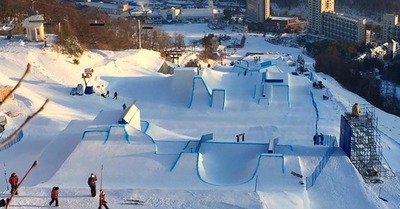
x=174, y=54
x=139, y=15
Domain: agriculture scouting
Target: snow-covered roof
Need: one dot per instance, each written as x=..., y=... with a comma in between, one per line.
x=34, y=21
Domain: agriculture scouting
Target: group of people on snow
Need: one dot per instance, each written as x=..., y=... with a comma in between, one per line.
x=107, y=94
x=14, y=182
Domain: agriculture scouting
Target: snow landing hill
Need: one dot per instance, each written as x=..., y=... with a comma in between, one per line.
x=159, y=163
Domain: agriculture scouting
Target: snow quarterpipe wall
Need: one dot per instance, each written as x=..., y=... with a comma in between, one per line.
x=227, y=164
x=216, y=88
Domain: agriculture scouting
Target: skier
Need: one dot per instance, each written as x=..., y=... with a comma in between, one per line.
x=108, y=93
x=115, y=95
x=124, y=106
x=54, y=196
x=3, y=202
x=92, y=184
x=14, y=183
x=103, y=201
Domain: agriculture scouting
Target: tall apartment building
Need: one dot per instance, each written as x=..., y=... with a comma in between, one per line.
x=258, y=10
x=323, y=20
x=390, y=28
x=315, y=10
x=341, y=27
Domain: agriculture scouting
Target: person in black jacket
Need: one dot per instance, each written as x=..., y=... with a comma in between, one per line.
x=92, y=184
x=3, y=202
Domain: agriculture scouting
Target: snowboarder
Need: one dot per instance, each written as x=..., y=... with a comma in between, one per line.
x=54, y=196
x=92, y=184
x=3, y=202
x=103, y=201
x=115, y=95
x=14, y=183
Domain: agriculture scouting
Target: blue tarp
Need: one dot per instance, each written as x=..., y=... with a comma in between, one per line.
x=265, y=64
x=345, y=136
x=89, y=90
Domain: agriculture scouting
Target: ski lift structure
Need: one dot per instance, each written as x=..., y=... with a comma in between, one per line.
x=96, y=23
x=139, y=15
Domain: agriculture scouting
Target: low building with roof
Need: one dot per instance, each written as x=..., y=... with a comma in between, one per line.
x=34, y=28
x=283, y=24
x=111, y=9
x=190, y=14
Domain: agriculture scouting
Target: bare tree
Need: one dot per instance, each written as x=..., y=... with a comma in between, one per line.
x=14, y=134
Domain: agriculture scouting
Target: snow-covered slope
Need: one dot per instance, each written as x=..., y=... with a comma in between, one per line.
x=170, y=174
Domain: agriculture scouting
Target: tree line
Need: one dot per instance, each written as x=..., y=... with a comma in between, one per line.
x=364, y=78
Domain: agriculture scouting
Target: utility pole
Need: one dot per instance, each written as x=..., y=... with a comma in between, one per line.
x=101, y=185
x=139, y=32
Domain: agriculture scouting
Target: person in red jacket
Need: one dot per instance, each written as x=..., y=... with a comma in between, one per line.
x=14, y=183
x=103, y=201
x=54, y=196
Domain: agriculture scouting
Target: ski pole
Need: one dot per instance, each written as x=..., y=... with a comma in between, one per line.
x=5, y=175
x=101, y=185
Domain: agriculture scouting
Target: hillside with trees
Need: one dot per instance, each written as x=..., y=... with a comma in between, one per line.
x=85, y=27
x=335, y=58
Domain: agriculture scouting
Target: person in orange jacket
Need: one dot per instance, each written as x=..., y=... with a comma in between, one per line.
x=103, y=201
x=14, y=183
x=54, y=196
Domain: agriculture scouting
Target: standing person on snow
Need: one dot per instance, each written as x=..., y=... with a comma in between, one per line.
x=315, y=139
x=14, y=183
x=54, y=196
x=321, y=139
x=115, y=95
x=103, y=201
x=3, y=202
x=92, y=184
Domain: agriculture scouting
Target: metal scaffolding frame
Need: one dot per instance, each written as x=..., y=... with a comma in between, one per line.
x=366, y=148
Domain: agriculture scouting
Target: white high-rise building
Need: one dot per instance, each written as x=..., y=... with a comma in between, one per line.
x=390, y=28
x=315, y=10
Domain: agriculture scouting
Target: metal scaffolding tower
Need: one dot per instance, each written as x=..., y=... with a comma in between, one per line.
x=366, y=148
